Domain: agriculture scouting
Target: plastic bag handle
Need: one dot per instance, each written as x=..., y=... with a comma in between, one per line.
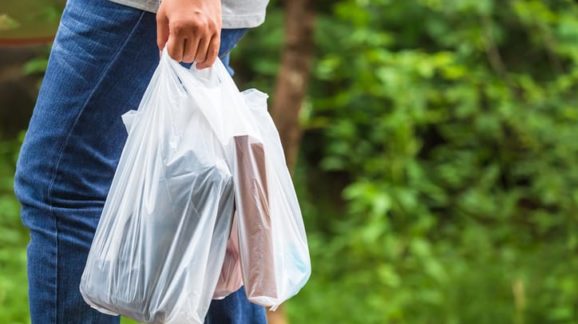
x=217, y=78
x=216, y=75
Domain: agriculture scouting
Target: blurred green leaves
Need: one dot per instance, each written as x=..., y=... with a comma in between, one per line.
x=13, y=239
x=7, y=22
x=437, y=172
x=454, y=124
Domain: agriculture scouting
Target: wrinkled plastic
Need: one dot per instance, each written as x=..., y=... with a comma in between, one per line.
x=272, y=246
x=272, y=241
x=202, y=202
x=161, y=239
x=230, y=279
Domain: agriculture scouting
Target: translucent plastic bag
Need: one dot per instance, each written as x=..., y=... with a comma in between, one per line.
x=273, y=245
x=271, y=241
x=161, y=240
x=197, y=149
x=231, y=278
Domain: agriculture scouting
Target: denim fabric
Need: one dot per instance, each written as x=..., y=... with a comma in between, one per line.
x=101, y=62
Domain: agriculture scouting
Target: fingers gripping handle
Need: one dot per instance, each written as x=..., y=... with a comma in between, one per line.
x=216, y=75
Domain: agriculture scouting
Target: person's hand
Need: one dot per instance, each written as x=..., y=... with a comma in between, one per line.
x=190, y=29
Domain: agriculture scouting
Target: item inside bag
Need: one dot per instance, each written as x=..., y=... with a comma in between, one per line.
x=153, y=248
x=256, y=221
x=230, y=279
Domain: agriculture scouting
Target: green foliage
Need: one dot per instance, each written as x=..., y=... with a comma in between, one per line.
x=13, y=239
x=36, y=65
x=29, y=18
x=7, y=23
x=453, y=126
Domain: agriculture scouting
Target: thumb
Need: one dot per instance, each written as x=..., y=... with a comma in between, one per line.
x=162, y=29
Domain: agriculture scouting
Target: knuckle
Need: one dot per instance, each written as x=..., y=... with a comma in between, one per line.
x=197, y=24
x=177, y=30
x=212, y=27
x=178, y=27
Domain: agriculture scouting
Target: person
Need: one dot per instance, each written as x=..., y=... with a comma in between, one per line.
x=101, y=61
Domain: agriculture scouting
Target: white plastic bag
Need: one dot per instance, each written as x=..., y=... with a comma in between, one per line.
x=197, y=149
x=161, y=240
x=273, y=253
x=271, y=216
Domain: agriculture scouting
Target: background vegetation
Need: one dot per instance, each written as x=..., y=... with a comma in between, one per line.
x=437, y=170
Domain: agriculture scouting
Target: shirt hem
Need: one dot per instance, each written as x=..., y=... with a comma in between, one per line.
x=228, y=21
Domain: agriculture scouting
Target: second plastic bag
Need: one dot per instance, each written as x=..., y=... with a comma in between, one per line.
x=272, y=241
x=270, y=249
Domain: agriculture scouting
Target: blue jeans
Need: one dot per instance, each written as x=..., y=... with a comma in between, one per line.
x=102, y=59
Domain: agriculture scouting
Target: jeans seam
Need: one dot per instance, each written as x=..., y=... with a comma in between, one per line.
x=49, y=193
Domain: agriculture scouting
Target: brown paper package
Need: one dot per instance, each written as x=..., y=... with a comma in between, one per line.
x=252, y=181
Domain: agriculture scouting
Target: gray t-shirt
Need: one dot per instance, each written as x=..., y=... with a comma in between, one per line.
x=236, y=13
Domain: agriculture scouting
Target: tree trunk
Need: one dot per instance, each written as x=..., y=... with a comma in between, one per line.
x=293, y=76
x=291, y=87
